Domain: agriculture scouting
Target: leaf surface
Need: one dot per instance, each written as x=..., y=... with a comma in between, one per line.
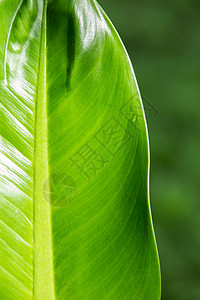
x=75, y=219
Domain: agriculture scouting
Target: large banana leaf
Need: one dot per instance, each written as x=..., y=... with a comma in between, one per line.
x=75, y=220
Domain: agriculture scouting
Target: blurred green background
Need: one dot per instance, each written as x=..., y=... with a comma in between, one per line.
x=163, y=41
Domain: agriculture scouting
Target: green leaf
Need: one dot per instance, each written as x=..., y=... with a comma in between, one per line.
x=75, y=219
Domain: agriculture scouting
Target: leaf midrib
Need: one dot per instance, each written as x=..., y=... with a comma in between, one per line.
x=43, y=284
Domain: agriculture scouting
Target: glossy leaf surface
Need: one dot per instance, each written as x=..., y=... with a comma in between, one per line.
x=75, y=219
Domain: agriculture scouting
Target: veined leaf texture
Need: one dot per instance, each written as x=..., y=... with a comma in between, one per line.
x=75, y=219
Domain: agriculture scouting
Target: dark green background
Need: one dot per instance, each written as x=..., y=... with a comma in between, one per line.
x=163, y=41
